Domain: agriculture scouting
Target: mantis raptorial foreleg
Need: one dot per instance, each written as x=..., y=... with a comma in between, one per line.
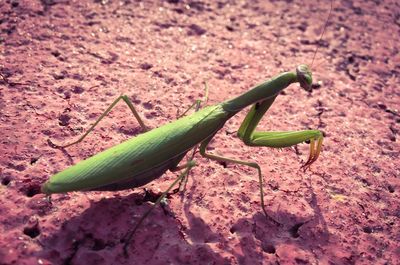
x=276, y=139
x=131, y=107
x=187, y=166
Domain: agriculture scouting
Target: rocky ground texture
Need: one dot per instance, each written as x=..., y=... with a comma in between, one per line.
x=63, y=62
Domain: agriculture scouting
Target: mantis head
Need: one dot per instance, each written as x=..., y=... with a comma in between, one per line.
x=304, y=76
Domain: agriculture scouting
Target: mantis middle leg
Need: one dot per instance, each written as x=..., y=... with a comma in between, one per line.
x=203, y=152
x=187, y=166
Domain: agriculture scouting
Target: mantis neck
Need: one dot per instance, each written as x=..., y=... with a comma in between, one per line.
x=265, y=90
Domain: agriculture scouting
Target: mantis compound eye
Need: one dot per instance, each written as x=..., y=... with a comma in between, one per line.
x=304, y=77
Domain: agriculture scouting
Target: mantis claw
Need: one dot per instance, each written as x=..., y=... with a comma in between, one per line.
x=315, y=150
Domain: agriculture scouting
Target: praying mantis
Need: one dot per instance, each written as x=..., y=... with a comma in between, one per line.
x=146, y=157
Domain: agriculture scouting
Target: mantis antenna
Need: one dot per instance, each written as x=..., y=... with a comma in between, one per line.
x=322, y=34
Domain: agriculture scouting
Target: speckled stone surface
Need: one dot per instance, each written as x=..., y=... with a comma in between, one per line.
x=63, y=62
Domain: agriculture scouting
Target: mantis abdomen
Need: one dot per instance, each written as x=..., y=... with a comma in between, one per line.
x=142, y=159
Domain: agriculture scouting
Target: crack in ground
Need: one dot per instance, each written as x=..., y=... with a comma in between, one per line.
x=320, y=108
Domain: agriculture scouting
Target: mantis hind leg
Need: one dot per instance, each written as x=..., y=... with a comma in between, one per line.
x=203, y=152
x=131, y=107
x=187, y=166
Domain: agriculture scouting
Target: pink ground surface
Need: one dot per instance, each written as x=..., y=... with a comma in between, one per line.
x=63, y=62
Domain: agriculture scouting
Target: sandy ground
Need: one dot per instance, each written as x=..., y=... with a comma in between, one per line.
x=63, y=62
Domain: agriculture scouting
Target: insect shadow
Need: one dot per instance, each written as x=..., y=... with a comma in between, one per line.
x=296, y=242
x=94, y=237
x=256, y=234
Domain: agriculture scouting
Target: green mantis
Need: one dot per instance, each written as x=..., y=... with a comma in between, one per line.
x=146, y=157
x=140, y=160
